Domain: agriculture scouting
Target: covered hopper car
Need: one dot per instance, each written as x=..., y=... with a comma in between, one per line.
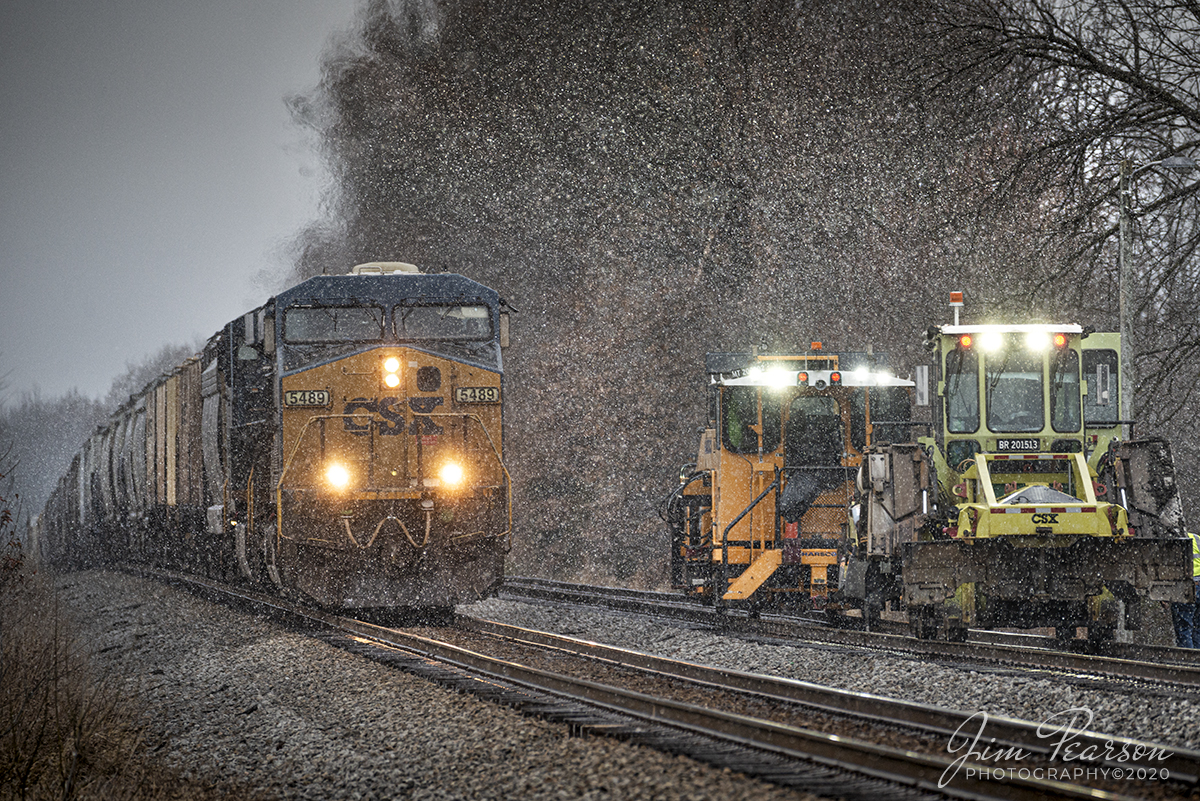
x=343, y=441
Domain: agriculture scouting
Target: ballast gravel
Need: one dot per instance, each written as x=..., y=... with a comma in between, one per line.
x=1142, y=713
x=258, y=711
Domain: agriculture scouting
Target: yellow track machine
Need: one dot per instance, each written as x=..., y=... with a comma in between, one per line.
x=765, y=516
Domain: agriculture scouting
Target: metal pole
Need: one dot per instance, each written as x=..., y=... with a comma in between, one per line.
x=1128, y=374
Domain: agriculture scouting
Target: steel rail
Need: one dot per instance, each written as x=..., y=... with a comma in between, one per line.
x=958, y=778
x=1182, y=764
x=934, y=774
x=1183, y=672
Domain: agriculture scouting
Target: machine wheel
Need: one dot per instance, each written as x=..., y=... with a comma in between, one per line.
x=956, y=631
x=872, y=613
x=923, y=623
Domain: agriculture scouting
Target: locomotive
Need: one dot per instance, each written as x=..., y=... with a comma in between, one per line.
x=343, y=441
x=765, y=517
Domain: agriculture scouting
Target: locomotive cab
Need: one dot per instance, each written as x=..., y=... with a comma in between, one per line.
x=390, y=453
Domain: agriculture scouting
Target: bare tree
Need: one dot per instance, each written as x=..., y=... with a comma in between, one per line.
x=1118, y=90
x=646, y=180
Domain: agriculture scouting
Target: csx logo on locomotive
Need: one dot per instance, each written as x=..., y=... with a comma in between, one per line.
x=1046, y=518
x=392, y=413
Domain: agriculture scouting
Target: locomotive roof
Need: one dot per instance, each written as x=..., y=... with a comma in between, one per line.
x=388, y=288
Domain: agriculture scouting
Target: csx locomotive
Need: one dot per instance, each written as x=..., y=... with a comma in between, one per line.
x=344, y=440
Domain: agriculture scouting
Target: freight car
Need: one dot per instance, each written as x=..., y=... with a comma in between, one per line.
x=765, y=517
x=344, y=441
x=1045, y=515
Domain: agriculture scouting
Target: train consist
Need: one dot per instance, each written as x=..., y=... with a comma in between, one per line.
x=1025, y=507
x=344, y=441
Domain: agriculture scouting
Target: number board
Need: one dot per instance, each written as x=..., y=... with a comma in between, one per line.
x=1018, y=445
x=477, y=394
x=306, y=397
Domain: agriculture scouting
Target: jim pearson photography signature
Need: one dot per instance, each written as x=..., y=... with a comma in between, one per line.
x=980, y=757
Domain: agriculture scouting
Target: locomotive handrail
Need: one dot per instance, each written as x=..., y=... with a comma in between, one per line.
x=288, y=464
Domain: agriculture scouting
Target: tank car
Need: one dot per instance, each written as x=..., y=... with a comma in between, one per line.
x=344, y=441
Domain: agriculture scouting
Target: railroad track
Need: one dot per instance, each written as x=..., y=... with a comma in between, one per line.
x=706, y=713
x=1177, y=667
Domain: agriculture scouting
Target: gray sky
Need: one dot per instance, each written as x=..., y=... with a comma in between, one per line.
x=150, y=170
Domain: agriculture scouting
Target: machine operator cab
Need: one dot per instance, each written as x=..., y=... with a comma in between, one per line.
x=1044, y=514
x=1026, y=389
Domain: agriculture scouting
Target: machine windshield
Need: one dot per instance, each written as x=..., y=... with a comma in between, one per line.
x=1014, y=392
x=1064, y=392
x=815, y=433
x=332, y=323
x=962, y=392
x=739, y=417
x=472, y=322
x=1101, y=369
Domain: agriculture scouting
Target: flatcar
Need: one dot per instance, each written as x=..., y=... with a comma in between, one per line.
x=343, y=441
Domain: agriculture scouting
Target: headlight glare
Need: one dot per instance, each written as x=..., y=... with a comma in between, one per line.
x=451, y=474
x=337, y=476
x=391, y=372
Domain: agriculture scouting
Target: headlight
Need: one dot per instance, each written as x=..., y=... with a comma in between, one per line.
x=451, y=474
x=391, y=372
x=337, y=476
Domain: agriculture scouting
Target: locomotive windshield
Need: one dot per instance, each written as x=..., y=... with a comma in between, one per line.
x=333, y=324
x=473, y=322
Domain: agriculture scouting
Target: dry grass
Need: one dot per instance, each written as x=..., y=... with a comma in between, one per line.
x=66, y=732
